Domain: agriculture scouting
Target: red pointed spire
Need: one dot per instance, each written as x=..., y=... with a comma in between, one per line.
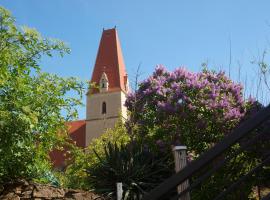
x=110, y=60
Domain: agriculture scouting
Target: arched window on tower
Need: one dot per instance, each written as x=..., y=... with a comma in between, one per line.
x=104, y=109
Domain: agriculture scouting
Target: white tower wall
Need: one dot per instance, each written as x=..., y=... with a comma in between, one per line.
x=96, y=122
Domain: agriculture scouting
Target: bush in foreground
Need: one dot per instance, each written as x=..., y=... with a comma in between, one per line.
x=139, y=170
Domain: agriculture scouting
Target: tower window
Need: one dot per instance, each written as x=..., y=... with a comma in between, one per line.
x=104, y=108
x=103, y=83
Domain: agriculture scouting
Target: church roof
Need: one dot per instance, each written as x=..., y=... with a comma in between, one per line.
x=76, y=130
x=110, y=60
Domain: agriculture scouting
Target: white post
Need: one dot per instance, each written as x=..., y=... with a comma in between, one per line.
x=180, y=158
x=119, y=191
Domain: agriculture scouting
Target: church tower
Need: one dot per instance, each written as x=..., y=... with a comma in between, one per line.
x=105, y=101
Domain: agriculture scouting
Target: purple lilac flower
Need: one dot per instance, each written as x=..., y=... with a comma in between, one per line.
x=160, y=70
x=213, y=91
x=191, y=107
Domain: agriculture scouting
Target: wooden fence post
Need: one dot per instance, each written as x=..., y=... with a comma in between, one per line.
x=180, y=158
x=119, y=191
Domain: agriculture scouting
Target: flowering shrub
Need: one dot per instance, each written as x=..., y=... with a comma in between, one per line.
x=195, y=109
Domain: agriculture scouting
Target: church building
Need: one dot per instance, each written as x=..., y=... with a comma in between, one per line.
x=105, y=98
x=106, y=103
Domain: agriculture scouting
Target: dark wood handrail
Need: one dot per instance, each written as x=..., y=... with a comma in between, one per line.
x=244, y=129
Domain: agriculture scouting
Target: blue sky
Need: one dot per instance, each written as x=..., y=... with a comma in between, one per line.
x=173, y=33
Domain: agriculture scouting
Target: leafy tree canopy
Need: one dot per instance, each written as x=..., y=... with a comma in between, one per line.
x=31, y=101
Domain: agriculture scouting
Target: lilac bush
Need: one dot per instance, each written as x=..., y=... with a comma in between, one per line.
x=195, y=109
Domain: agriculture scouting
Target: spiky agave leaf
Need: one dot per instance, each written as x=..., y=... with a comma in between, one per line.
x=135, y=166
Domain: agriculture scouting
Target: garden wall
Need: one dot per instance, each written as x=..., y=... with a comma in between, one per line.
x=29, y=190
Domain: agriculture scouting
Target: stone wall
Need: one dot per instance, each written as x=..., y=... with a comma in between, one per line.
x=21, y=190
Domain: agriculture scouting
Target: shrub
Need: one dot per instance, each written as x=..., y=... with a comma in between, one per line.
x=139, y=170
x=82, y=159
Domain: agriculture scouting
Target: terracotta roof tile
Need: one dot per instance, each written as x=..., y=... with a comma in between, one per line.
x=110, y=60
x=76, y=129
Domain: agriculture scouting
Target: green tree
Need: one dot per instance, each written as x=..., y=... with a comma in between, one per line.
x=32, y=102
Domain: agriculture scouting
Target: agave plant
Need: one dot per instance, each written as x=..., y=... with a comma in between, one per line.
x=134, y=165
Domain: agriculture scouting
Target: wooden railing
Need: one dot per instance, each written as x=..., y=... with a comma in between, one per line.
x=244, y=132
